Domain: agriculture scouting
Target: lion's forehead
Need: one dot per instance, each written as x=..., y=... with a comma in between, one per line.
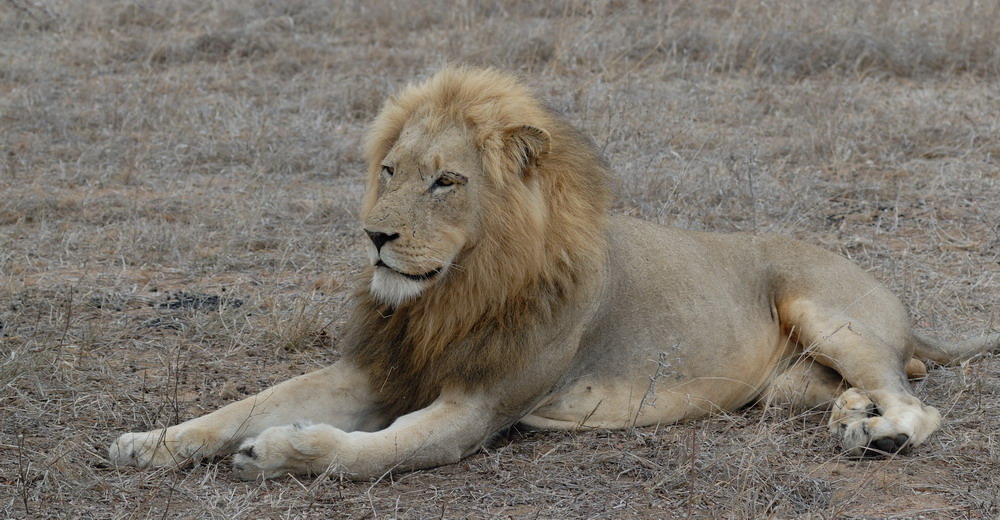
x=444, y=148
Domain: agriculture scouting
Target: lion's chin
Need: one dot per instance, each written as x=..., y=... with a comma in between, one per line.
x=394, y=289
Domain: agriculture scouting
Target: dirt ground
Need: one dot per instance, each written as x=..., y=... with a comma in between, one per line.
x=181, y=181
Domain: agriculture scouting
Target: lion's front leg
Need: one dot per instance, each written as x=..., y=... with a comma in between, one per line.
x=335, y=395
x=453, y=426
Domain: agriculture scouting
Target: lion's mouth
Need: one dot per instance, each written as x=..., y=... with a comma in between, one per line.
x=415, y=277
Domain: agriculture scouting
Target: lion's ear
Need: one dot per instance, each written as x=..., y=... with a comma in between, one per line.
x=526, y=143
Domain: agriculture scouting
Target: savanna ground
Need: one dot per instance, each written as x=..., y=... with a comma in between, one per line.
x=180, y=183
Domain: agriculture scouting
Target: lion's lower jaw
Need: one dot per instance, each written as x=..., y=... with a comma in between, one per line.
x=392, y=289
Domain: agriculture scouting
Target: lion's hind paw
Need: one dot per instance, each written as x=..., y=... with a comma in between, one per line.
x=868, y=430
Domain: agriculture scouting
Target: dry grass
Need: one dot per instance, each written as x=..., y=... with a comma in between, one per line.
x=177, y=229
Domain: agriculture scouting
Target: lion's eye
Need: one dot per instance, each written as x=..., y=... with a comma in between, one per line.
x=387, y=170
x=443, y=182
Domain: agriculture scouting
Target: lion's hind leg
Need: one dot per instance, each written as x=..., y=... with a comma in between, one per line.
x=880, y=414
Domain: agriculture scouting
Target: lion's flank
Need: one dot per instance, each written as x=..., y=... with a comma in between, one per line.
x=542, y=234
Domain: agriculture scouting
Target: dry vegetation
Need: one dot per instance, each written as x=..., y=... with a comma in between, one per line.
x=177, y=230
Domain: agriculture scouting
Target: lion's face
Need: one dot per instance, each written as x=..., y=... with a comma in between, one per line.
x=421, y=212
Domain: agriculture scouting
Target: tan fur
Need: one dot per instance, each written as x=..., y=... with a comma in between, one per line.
x=500, y=292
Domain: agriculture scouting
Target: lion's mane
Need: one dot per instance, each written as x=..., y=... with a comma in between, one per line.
x=541, y=240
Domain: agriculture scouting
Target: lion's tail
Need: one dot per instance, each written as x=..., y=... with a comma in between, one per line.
x=953, y=353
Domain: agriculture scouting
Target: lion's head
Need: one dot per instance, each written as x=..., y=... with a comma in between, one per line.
x=424, y=207
x=485, y=212
x=461, y=179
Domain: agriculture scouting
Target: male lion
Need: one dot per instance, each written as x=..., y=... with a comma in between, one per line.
x=500, y=292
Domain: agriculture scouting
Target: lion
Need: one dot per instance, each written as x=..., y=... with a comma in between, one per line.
x=500, y=291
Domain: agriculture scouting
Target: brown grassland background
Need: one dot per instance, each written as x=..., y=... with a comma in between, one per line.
x=180, y=184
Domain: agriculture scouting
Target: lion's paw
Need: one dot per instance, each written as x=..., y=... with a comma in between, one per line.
x=867, y=431
x=161, y=448
x=284, y=450
x=850, y=407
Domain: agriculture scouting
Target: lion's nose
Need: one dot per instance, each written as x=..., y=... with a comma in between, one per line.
x=379, y=238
